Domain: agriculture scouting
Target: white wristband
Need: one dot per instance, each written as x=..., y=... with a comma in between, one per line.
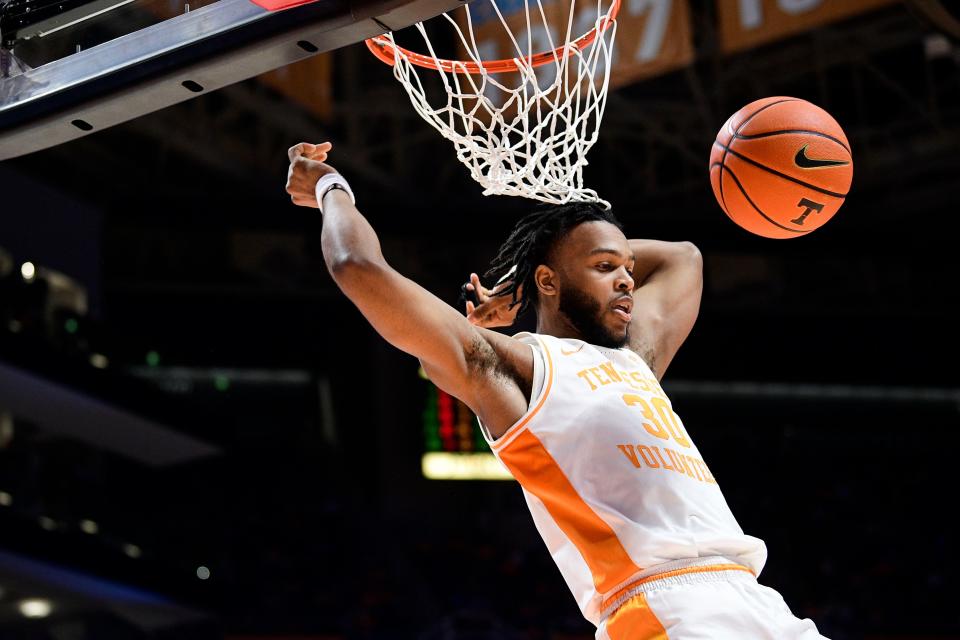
x=325, y=183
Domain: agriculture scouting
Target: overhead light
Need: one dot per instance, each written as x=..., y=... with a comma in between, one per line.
x=28, y=271
x=89, y=526
x=132, y=550
x=5, y=499
x=99, y=360
x=35, y=608
x=203, y=573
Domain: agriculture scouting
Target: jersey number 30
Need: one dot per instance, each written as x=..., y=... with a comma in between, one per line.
x=666, y=416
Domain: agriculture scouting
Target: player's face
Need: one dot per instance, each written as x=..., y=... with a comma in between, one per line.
x=595, y=265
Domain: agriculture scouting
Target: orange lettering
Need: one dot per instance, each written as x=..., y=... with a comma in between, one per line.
x=596, y=371
x=583, y=374
x=608, y=369
x=657, y=389
x=628, y=451
x=664, y=462
x=707, y=473
x=647, y=456
x=693, y=464
x=625, y=377
x=656, y=429
x=670, y=418
x=707, y=477
x=641, y=382
x=679, y=461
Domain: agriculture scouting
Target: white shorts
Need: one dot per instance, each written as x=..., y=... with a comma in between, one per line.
x=727, y=605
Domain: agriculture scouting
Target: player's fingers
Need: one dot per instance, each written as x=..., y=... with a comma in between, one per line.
x=320, y=152
x=299, y=149
x=465, y=294
x=304, y=202
x=498, y=287
x=482, y=294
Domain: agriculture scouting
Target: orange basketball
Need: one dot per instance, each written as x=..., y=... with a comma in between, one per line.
x=781, y=167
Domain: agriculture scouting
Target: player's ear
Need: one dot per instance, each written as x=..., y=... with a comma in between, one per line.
x=546, y=279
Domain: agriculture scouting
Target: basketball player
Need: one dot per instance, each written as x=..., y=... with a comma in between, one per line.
x=625, y=504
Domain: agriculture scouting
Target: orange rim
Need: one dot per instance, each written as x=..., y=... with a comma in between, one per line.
x=386, y=52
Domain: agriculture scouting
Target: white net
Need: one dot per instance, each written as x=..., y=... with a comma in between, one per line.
x=522, y=125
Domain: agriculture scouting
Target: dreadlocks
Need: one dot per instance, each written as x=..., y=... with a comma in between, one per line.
x=531, y=242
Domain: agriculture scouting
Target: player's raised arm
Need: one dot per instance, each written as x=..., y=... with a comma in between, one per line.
x=488, y=371
x=669, y=283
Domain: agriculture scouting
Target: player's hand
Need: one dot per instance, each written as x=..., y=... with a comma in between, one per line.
x=493, y=310
x=306, y=168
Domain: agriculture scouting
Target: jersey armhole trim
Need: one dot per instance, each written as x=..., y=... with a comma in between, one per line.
x=511, y=433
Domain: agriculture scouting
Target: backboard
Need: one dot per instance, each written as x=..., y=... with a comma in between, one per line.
x=73, y=67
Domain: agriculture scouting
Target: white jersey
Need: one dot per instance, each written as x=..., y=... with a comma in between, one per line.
x=616, y=486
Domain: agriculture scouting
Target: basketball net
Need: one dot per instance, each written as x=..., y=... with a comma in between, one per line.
x=522, y=124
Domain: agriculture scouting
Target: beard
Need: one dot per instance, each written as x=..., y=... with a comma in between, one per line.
x=583, y=312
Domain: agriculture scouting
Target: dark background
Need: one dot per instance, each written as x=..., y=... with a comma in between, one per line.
x=820, y=381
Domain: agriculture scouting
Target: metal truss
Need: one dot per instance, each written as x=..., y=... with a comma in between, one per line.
x=883, y=71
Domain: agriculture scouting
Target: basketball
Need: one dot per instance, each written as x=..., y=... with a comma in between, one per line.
x=781, y=167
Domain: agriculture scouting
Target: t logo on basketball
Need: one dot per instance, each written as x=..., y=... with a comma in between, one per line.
x=810, y=207
x=760, y=178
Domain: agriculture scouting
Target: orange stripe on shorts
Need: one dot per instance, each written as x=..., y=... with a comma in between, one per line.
x=635, y=621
